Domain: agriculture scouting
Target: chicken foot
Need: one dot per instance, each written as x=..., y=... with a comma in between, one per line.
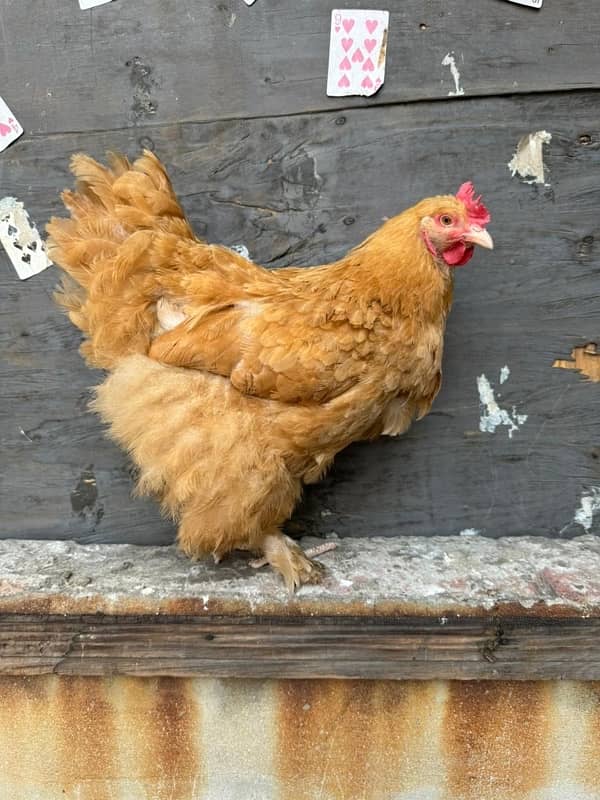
x=310, y=552
x=287, y=557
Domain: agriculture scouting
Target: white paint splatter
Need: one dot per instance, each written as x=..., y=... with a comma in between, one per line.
x=528, y=160
x=504, y=374
x=241, y=249
x=470, y=532
x=590, y=505
x=449, y=61
x=494, y=416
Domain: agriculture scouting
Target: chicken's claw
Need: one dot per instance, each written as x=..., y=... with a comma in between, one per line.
x=288, y=558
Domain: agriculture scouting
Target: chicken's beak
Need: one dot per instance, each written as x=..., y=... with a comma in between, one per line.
x=478, y=235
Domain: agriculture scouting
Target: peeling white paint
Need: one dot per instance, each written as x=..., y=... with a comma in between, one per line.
x=241, y=249
x=528, y=160
x=504, y=374
x=450, y=61
x=590, y=505
x=494, y=416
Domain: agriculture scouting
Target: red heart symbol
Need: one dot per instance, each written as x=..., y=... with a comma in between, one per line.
x=370, y=44
x=367, y=83
x=345, y=64
x=371, y=25
x=343, y=82
x=378, y=82
x=358, y=56
x=347, y=44
x=348, y=25
x=4, y=129
x=337, y=28
x=368, y=65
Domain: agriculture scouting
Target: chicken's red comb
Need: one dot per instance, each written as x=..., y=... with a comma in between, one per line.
x=476, y=211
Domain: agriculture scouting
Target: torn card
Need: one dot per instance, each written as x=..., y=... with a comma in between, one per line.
x=85, y=4
x=9, y=127
x=357, y=50
x=530, y=3
x=21, y=239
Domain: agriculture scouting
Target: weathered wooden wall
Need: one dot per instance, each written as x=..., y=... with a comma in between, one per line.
x=233, y=100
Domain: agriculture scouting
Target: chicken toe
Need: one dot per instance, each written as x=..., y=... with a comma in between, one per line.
x=288, y=558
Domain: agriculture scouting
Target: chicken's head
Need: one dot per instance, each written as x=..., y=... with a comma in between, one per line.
x=452, y=226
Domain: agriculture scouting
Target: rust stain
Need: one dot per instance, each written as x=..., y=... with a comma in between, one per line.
x=495, y=736
x=348, y=739
x=27, y=733
x=589, y=707
x=585, y=359
x=158, y=721
x=14, y=602
x=86, y=745
x=85, y=737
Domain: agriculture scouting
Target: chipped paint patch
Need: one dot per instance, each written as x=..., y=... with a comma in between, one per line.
x=495, y=416
x=450, y=61
x=586, y=360
x=528, y=160
x=589, y=506
x=241, y=249
x=470, y=532
x=504, y=374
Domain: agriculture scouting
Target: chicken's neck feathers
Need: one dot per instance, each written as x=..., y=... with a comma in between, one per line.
x=392, y=268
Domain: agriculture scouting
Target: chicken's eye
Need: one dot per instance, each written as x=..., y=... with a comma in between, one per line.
x=446, y=220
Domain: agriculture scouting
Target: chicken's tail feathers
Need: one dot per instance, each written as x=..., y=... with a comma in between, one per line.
x=116, y=213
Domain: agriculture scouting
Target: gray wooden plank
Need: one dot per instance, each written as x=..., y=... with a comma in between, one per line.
x=142, y=62
x=302, y=190
x=412, y=648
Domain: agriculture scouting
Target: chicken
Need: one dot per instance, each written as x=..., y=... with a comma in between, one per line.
x=231, y=385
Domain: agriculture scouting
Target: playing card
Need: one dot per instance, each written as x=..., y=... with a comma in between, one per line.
x=357, y=49
x=530, y=3
x=21, y=239
x=85, y=4
x=9, y=127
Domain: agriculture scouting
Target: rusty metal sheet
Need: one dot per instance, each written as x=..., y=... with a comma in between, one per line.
x=73, y=738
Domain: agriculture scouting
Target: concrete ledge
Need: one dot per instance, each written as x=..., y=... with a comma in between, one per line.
x=465, y=607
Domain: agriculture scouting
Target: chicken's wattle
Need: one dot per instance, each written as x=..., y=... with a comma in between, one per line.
x=458, y=254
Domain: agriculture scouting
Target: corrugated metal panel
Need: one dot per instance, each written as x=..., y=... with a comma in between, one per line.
x=73, y=738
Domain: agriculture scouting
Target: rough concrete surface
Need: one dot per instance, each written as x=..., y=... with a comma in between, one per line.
x=406, y=574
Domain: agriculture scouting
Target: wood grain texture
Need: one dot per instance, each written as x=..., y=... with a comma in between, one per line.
x=142, y=62
x=258, y=647
x=302, y=190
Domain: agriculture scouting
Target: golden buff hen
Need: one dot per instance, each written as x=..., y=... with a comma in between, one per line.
x=230, y=385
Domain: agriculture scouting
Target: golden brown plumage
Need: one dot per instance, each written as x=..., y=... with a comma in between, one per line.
x=231, y=385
